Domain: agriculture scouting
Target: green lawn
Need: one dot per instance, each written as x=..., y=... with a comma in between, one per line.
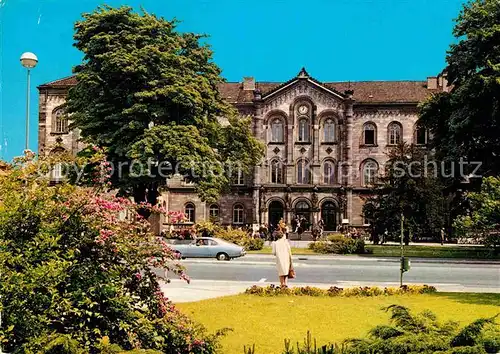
x=464, y=252
x=458, y=252
x=267, y=321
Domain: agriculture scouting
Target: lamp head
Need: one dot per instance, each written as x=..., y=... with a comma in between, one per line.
x=29, y=60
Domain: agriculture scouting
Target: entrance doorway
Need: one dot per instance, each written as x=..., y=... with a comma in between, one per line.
x=329, y=216
x=276, y=212
x=303, y=211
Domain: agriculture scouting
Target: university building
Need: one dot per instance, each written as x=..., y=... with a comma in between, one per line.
x=325, y=144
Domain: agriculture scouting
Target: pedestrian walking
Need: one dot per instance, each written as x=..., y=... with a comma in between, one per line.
x=443, y=235
x=321, y=225
x=282, y=251
x=294, y=224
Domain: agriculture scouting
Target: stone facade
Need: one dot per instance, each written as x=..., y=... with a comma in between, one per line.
x=325, y=142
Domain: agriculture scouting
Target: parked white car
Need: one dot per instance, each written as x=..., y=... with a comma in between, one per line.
x=208, y=247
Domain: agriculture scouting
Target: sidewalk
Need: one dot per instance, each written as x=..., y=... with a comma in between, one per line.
x=305, y=244
x=179, y=291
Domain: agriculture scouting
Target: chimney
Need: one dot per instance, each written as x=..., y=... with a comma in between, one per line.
x=446, y=87
x=248, y=83
x=432, y=83
x=443, y=83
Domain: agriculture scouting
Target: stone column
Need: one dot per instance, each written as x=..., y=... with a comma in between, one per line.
x=258, y=129
x=42, y=119
x=349, y=102
x=349, y=127
x=316, y=142
x=289, y=141
x=349, y=206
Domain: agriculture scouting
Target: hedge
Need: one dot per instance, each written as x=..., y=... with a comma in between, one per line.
x=338, y=244
x=367, y=291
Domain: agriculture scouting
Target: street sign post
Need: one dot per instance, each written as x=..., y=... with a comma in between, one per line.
x=405, y=262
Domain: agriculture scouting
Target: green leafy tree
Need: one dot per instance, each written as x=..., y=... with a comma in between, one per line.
x=465, y=122
x=408, y=187
x=148, y=93
x=483, y=221
x=78, y=266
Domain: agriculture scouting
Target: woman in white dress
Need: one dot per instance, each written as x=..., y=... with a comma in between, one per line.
x=283, y=253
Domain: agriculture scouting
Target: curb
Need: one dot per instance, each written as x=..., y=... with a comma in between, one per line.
x=384, y=259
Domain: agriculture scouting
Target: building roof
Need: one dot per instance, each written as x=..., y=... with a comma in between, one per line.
x=364, y=91
x=61, y=83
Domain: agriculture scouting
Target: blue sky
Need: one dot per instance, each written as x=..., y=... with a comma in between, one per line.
x=336, y=40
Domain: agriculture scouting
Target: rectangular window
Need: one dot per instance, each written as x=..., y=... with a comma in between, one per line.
x=57, y=174
x=238, y=178
x=214, y=212
x=369, y=137
x=190, y=215
x=421, y=136
x=238, y=215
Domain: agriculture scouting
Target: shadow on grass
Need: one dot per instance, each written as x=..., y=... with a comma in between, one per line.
x=473, y=298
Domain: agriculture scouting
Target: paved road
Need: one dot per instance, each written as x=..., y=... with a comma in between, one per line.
x=445, y=274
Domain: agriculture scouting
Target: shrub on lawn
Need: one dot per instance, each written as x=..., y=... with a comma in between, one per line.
x=254, y=244
x=338, y=244
x=241, y=238
x=423, y=333
x=333, y=291
x=410, y=333
x=74, y=269
x=207, y=229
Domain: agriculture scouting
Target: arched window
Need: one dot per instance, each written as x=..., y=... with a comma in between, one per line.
x=395, y=133
x=370, y=170
x=213, y=211
x=328, y=172
x=329, y=131
x=369, y=134
x=420, y=135
x=238, y=212
x=303, y=172
x=276, y=172
x=304, y=130
x=60, y=121
x=189, y=211
x=277, y=131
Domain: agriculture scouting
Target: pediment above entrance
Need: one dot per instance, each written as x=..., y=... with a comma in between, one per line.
x=302, y=86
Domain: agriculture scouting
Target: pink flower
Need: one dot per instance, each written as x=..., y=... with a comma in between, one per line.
x=185, y=277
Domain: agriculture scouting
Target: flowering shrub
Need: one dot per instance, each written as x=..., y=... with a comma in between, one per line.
x=176, y=217
x=74, y=269
x=333, y=291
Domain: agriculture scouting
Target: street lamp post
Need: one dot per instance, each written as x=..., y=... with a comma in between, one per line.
x=29, y=61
